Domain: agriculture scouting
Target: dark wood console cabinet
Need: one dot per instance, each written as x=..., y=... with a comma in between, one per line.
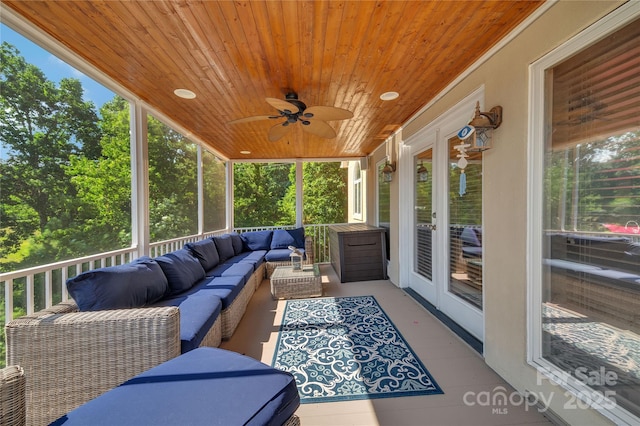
x=358, y=252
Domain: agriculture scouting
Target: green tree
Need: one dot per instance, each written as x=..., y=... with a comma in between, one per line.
x=42, y=126
x=104, y=185
x=325, y=193
x=173, y=190
x=214, y=192
x=258, y=192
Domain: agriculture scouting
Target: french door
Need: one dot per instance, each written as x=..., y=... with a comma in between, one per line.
x=442, y=207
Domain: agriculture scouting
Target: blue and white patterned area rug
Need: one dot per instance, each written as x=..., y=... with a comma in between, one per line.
x=346, y=348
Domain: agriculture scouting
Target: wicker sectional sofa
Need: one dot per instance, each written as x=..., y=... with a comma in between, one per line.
x=126, y=319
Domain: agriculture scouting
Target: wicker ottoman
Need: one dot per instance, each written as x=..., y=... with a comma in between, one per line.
x=289, y=284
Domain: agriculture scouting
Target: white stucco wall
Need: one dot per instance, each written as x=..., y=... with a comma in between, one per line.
x=505, y=78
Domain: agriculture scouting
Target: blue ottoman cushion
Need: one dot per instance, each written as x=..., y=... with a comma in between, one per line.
x=207, y=386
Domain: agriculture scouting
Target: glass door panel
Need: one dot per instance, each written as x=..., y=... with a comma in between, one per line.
x=424, y=219
x=465, y=225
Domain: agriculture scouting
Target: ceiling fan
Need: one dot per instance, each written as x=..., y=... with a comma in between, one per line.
x=313, y=119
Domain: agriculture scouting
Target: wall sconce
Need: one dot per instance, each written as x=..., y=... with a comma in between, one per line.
x=423, y=174
x=479, y=132
x=387, y=171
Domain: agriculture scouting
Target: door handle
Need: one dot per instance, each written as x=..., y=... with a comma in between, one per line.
x=428, y=226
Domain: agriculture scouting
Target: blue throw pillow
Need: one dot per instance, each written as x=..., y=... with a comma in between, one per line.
x=131, y=285
x=290, y=237
x=206, y=252
x=237, y=242
x=281, y=239
x=257, y=240
x=182, y=269
x=298, y=236
x=224, y=246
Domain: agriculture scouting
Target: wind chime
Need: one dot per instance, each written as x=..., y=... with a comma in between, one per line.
x=462, y=164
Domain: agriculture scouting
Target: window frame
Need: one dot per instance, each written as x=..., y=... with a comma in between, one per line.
x=535, y=194
x=357, y=190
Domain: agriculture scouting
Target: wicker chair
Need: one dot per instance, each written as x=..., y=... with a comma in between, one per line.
x=12, y=393
x=71, y=357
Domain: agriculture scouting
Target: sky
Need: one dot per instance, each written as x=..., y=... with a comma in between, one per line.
x=54, y=68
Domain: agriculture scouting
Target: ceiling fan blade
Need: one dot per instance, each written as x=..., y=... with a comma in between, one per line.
x=281, y=105
x=278, y=131
x=327, y=113
x=253, y=118
x=319, y=128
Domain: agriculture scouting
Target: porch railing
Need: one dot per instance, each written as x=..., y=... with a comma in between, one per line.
x=44, y=286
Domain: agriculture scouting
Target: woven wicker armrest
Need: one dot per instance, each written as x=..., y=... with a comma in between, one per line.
x=308, y=250
x=12, y=389
x=70, y=357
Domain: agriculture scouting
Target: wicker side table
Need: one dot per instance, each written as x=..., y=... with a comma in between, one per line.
x=289, y=284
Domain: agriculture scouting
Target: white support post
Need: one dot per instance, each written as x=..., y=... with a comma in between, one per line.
x=200, y=191
x=30, y=295
x=8, y=300
x=139, y=180
x=299, y=193
x=229, y=194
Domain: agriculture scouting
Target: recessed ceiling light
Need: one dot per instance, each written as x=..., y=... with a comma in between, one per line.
x=245, y=152
x=184, y=93
x=389, y=96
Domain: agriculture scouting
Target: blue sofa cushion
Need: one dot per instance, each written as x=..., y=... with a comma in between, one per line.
x=256, y=240
x=198, y=312
x=207, y=386
x=131, y=285
x=256, y=258
x=283, y=238
x=279, y=255
x=206, y=252
x=182, y=269
x=236, y=241
x=226, y=288
x=224, y=246
x=244, y=270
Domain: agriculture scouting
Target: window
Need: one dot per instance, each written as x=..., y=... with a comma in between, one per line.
x=173, y=183
x=65, y=160
x=357, y=190
x=586, y=287
x=214, y=192
x=384, y=205
x=264, y=194
x=324, y=195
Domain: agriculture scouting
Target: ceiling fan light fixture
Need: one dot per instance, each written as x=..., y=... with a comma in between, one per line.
x=184, y=93
x=293, y=110
x=389, y=96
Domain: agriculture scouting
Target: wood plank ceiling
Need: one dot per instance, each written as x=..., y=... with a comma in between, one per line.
x=234, y=54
